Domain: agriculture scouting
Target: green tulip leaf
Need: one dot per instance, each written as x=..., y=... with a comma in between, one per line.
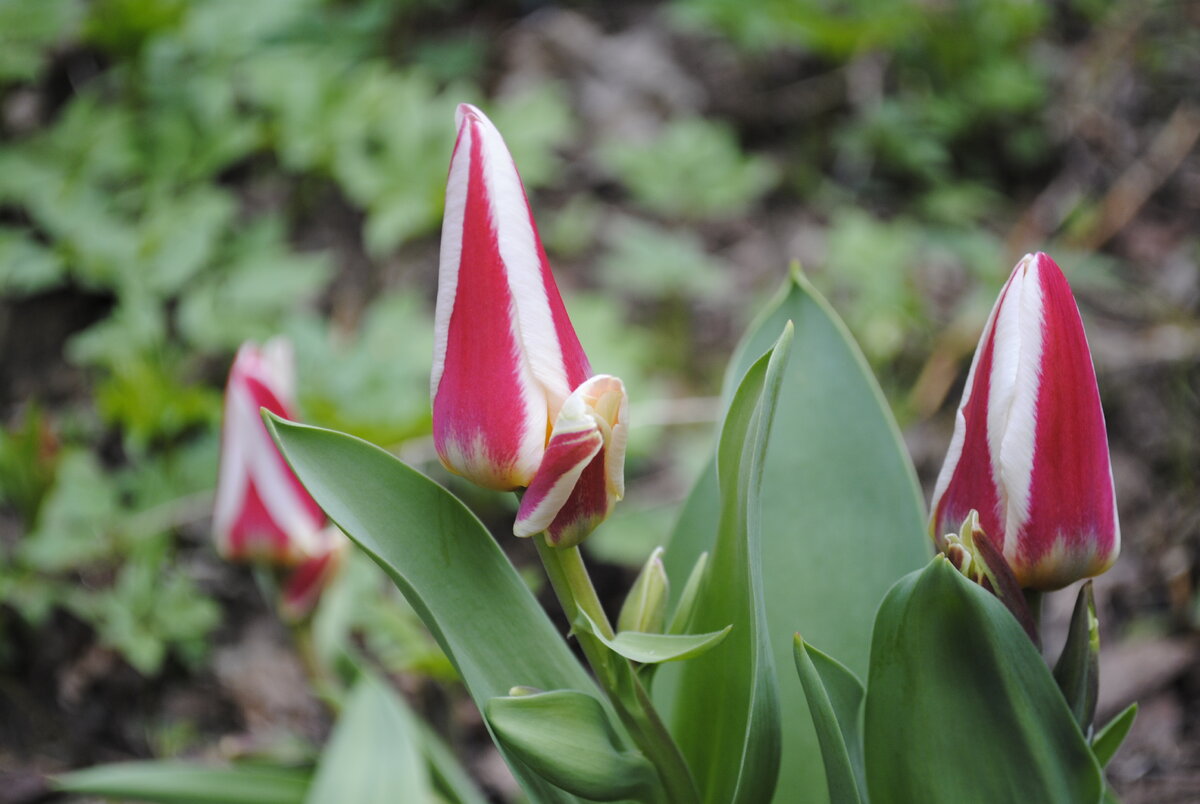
x=726, y=719
x=174, y=782
x=960, y=705
x=655, y=648
x=567, y=737
x=447, y=565
x=1078, y=669
x=682, y=618
x=835, y=699
x=1109, y=739
x=374, y=753
x=842, y=516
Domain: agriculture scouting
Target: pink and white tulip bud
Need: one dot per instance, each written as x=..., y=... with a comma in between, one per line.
x=515, y=404
x=262, y=512
x=1029, y=450
x=308, y=579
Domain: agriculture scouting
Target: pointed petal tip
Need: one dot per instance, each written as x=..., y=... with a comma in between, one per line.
x=462, y=113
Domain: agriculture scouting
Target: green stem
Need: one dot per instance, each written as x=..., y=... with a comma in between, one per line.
x=1033, y=599
x=580, y=583
x=573, y=587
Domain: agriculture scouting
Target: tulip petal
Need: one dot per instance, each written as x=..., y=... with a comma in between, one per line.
x=505, y=354
x=1062, y=513
x=968, y=478
x=261, y=509
x=583, y=473
x=1029, y=451
x=573, y=450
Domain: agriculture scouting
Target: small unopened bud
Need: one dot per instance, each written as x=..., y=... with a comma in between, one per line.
x=645, y=608
x=521, y=690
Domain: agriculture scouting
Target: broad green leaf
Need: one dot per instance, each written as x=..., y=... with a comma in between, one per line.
x=568, y=738
x=373, y=755
x=172, y=782
x=834, y=698
x=726, y=714
x=1109, y=739
x=960, y=705
x=1078, y=669
x=842, y=517
x=447, y=565
x=647, y=648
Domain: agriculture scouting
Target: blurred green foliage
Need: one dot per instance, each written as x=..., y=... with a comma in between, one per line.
x=211, y=172
x=693, y=169
x=178, y=178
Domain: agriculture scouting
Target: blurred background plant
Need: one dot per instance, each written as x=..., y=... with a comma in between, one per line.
x=178, y=177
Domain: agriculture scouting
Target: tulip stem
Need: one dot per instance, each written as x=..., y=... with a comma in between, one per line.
x=1033, y=599
x=575, y=592
x=571, y=561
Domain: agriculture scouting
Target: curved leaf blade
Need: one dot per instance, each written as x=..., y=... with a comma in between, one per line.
x=1109, y=738
x=838, y=485
x=174, y=782
x=835, y=698
x=726, y=717
x=454, y=574
x=960, y=705
x=374, y=754
x=568, y=738
x=645, y=648
x=1078, y=668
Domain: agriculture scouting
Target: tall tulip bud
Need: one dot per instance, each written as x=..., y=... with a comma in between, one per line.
x=515, y=404
x=1029, y=450
x=262, y=511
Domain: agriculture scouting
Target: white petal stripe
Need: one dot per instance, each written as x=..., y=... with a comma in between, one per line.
x=1016, y=450
x=519, y=251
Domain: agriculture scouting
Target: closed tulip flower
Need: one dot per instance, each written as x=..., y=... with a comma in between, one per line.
x=1029, y=450
x=515, y=404
x=262, y=512
x=304, y=584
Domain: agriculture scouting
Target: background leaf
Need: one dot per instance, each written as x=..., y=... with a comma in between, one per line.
x=1109, y=738
x=960, y=705
x=447, y=565
x=373, y=755
x=842, y=517
x=187, y=783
